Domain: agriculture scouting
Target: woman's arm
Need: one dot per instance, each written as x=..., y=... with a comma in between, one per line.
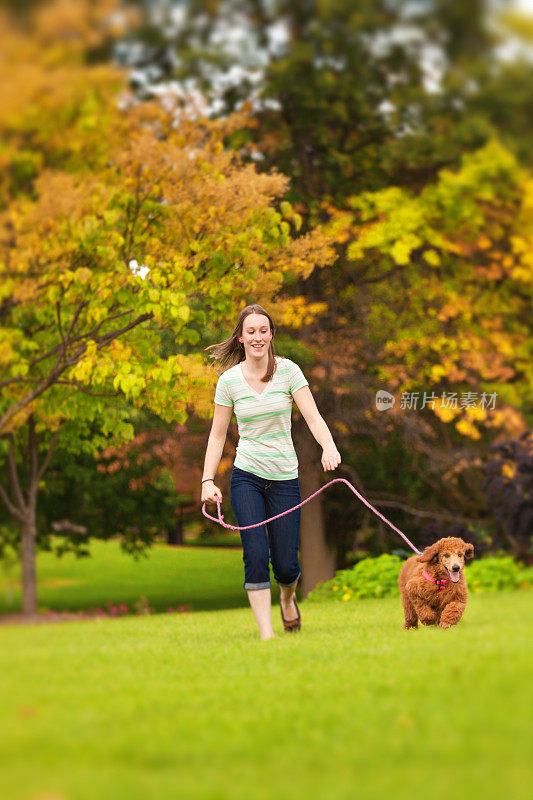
x=306, y=403
x=213, y=453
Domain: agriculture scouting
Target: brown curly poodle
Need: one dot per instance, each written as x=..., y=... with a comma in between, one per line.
x=433, y=586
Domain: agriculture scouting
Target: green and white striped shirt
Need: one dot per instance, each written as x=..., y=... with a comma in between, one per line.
x=264, y=420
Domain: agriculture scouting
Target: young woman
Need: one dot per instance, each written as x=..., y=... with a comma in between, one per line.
x=260, y=387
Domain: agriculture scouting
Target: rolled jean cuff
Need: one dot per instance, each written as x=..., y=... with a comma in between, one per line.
x=255, y=586
x=290, y=585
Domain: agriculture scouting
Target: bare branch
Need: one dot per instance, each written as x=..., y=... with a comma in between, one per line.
x=32, y=448
x=46, y=459
x=68, y=341
x=73, y=322
x=18, y=380
x=59, y=326
x=13, y=474
x=416, y=512
x=108, y=337
x=10, y=506
x=94, y=331
x=25, y=401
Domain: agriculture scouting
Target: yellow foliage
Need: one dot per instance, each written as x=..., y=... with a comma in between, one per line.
x=72, y=243
x=438, y=371
x=294, y=312
x=467, y=428
x=476, y=412
x=341, y=427
x=445, y=413
x=509, y=470
x=432, y=257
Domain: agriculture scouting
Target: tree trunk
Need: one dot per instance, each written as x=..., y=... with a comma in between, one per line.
x=316, y=558
x=175, y=534
x=29, y=577
x=23, y=504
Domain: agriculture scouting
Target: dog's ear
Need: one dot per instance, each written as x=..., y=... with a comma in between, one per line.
x=469, y=550
x=430, y=552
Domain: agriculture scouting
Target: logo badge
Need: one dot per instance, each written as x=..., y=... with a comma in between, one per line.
x=384, y=400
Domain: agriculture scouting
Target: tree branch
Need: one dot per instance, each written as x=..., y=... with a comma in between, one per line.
x=32, y=449
x=46, y=459
x=84, y=389
x=416, y=512
x=58, y=370
x=73, y=322
x=13, y=474
x=10, y=506
x=383, y=275
x=59, y=326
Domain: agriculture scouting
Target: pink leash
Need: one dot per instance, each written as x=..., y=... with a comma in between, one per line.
x=220, y=519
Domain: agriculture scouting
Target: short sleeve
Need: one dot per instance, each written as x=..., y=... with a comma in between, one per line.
x=296, y=377
x=222, y=396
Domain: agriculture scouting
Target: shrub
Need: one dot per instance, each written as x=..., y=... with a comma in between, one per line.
x=378, y=577
x=492, y=574
x=371, y=577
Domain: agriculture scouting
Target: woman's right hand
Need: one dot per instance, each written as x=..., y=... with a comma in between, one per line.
x=210, y=492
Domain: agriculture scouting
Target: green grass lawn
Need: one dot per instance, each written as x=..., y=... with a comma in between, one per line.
x=197, y=706
x=201, y=578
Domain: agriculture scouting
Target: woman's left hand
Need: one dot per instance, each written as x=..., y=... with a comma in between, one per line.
x=330, y=457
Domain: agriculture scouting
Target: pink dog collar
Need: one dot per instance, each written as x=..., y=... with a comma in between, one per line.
x=439, y=581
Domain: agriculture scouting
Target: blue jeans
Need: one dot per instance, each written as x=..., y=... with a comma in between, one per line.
x=254, y=499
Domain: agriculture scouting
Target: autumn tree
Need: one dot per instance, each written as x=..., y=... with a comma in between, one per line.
x=449, y=328
x=132, y=220
x=370, y=108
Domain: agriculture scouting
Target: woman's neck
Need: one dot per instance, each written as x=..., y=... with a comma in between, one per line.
x=256, y=368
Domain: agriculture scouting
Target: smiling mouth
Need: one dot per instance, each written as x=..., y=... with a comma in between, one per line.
x=454, y=576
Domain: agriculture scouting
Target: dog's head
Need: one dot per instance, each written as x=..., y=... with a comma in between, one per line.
x=449, y=554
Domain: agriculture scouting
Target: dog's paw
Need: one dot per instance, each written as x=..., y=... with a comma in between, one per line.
x=444, y=625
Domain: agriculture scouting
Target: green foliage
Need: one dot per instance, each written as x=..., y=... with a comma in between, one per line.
x=492, y=574
x=371, y=577
x=294, y=349
x=378, y=577
x=102, y=505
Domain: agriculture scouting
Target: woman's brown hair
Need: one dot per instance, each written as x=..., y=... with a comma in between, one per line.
x=230, y=352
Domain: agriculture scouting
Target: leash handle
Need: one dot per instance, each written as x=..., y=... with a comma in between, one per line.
x=220, y=518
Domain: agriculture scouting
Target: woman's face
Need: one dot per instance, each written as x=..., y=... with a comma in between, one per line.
x=256, y=336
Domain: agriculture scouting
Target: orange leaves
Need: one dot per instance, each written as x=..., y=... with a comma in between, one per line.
x=492, y=272
x=126, y=241
x=295, y=312
x=483, y=242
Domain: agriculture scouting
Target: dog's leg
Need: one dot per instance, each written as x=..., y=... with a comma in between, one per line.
x=424, y=612
x=451, y=614
x=411, y=620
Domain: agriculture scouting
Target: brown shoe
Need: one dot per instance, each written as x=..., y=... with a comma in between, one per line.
x=291, y=625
